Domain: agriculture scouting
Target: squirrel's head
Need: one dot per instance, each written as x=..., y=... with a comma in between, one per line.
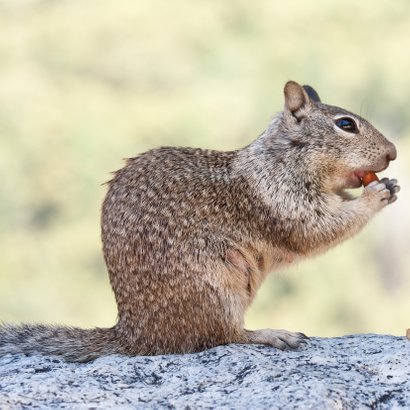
x=339, y=145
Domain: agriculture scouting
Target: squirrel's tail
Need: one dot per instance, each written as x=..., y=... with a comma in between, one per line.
x=70, y=343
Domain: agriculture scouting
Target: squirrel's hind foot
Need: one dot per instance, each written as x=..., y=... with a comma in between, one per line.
x=281, y=339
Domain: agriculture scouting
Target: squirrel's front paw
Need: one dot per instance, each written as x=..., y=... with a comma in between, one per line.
x=381, y=193
x=391, y=185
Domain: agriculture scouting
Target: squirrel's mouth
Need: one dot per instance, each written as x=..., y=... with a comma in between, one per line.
x=365, y=177
x=362, y=177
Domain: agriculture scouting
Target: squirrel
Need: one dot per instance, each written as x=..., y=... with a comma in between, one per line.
x=190, y=234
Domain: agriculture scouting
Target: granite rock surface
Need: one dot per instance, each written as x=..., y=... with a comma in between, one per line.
x=359, y=371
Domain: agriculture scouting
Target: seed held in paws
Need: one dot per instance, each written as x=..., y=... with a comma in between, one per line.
x=369, y=177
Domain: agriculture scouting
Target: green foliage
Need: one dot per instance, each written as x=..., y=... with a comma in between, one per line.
x=86, y=83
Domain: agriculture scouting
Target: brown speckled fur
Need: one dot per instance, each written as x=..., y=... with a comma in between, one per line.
x=190, y=234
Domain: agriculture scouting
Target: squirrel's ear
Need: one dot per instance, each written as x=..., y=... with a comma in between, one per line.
x=296, y=98
x=311, y=92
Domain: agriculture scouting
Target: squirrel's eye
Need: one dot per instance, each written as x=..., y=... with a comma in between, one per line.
x=347, y=124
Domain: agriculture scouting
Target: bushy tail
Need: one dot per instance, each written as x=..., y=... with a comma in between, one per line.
x=71, y=343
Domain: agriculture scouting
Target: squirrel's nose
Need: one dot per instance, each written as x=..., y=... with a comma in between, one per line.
x=391, y=153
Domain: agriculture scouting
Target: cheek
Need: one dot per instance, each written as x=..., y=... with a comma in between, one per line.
x=372, y=153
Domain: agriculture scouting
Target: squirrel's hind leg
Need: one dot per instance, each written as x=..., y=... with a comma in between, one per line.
x=281, y=339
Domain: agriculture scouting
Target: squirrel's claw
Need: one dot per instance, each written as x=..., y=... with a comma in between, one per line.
x=392, y=199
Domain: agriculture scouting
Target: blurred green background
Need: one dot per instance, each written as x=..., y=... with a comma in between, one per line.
x=85, y=83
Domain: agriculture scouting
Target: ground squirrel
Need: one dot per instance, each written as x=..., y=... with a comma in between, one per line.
x=190, y=234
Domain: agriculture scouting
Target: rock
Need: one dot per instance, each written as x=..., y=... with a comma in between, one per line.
x=360, y=371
